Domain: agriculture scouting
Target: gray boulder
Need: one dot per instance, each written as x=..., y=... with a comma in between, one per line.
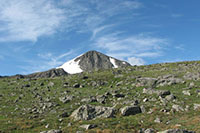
x=130, y=110
x=147, y=81
x=89, y=112
x=162, y=93
x=66, y=99
x=170, y=97
x=186, y=92
x=177, y=108
x=196, y=106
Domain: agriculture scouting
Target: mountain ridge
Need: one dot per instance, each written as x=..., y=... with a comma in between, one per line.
x=92, y=60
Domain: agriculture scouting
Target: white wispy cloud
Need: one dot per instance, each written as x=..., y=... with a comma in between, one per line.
x=28, y=20
x=135, y=44
x=99, y=30
x=149, y=54
x=46, y=61
x=23, y=20
x=136, y=61
x=134, y=47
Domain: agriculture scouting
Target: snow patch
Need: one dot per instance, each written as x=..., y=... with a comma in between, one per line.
x=124, y=62
x=72, y=67
x=113, y=62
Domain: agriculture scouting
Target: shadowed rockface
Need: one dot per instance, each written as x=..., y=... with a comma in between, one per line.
x=94, y=60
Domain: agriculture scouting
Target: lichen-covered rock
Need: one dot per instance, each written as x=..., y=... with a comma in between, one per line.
x=130, y=110
x=89, y=112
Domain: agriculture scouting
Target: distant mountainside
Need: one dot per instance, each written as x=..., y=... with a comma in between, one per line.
x=92, y=60
x=48, y=74
x=89, y=61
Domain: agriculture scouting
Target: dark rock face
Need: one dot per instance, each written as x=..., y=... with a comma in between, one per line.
x=48, y=74
x=94, y=60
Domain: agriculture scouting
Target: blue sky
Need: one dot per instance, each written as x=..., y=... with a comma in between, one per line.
x=37, y=35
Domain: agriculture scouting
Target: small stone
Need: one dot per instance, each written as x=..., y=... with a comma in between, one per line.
x=89, y=126
x=157, y=120
x=47, y=126
x=145, y=100
x=177, y=108
x=52, y=131
x=76, y=85
x=196, y=106
x=186, y=92
x=149, y=130
x=170, y=97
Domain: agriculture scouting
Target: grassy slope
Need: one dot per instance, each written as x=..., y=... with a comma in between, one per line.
x=14, y=116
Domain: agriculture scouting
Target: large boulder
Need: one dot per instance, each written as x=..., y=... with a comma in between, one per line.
x=130, y=110
x=89, y=112
x=147, y=81
x=162, y=93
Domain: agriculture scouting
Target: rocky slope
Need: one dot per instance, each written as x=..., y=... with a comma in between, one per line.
x=92, y=60
x=160, y=98
x=46, y=74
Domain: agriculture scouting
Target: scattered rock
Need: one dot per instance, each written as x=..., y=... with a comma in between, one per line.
x=176, y=131
x=89, y=126
x=119, y=83
x=76, y=85
x=192, y=76
x=177, y=108
x=196, y=106
x=145, y=100
x=66, y=99
x=89, y=112
x=130, y=110
x=65, y=114
x=89, y=100
x=170, y=97
x=157, y=120
x=162, y=93
x=101, y=99
x=118, y=95
x=146, y=81
x=186, y=92
x=52, y=131
x=149, y=130
x=51, y=84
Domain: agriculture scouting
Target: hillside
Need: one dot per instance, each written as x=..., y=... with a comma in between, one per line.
x=142, y=99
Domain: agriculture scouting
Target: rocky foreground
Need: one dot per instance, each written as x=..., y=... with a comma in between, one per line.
x=162, y=98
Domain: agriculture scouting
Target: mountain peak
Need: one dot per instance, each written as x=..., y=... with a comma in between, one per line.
x=92, y=60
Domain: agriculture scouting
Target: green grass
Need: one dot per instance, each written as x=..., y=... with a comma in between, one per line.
x=15, y=116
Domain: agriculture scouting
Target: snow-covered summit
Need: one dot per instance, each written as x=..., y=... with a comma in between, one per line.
x=92, y=60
